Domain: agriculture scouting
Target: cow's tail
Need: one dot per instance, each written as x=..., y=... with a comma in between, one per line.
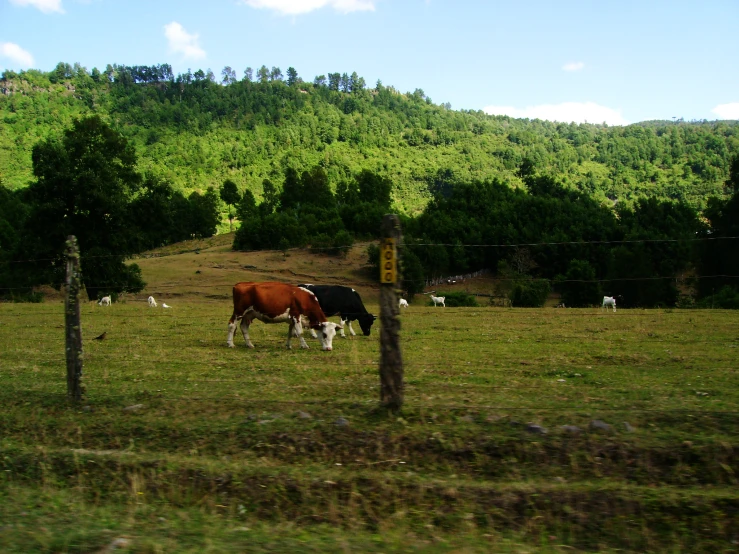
x=234, y=316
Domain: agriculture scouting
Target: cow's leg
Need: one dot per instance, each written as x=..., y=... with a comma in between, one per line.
x=231, y=331
x=341, y=327
x=245, y=322
x=351, y=331
x=313, y=333
x=296, y=330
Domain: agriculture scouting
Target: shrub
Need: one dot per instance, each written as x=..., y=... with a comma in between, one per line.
x=727, y=299
x=343, y=241
x=373, y=258
x=530, y=294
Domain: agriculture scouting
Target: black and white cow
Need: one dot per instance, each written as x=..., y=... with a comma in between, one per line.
x=344, y=302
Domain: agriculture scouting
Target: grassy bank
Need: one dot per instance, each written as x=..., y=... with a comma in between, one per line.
x=524, y=430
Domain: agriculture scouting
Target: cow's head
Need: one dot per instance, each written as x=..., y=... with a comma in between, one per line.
x=365, y=322
x=326, y=332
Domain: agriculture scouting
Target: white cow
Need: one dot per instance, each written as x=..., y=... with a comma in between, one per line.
x=104, y=301
x=438, y=300
x=164, y=305
x=609, y=301
x=152, y=302
x=403, y=303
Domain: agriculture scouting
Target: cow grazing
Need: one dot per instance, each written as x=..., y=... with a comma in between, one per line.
x=104, y=301
x=402, y=303
x=279, y=303
x=152, y=302
x=344, y=302
x=609, y=301
x=438, y=300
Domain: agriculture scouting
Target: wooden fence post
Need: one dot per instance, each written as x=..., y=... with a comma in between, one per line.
x=391, y=361
x=72, y=322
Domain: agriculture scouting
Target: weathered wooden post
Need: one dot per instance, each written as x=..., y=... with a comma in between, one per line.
x=72, y=322
x=391, y=361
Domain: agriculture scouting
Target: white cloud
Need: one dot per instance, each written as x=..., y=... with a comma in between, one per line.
x=16, y=54
x=46, y=6
x=182, y=42
x=573, y=66
x=295, y=7
x=727, y=111
x=579, y=112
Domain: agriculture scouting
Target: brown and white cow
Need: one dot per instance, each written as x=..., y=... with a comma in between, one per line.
x=279, y=303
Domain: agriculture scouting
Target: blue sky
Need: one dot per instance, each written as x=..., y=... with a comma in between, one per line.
x=618, y=61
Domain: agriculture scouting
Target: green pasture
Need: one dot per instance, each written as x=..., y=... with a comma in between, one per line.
x=185, y=445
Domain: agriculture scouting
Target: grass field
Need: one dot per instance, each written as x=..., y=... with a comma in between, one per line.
x=184, y=445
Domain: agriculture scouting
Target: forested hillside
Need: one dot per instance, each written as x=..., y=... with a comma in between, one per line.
x=135, y=158
x=197, y=130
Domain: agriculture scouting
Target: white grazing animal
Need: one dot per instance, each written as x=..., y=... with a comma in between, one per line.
x=152, y=302
x=438, y=300
x=104, y=301
x=403, y=303
x=164, y=305
x=609, y=301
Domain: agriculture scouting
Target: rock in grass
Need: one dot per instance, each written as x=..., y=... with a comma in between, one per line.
x=118, y=543
x=536, y=429
x=627, y=427
x=598, y=425
x=304, y=415
x=574, y=429
x=134, y=408
x=341, y=422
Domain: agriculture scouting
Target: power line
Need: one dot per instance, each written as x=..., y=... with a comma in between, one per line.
x=229, y=284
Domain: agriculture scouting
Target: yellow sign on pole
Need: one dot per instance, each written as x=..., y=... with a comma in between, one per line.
x=388, y=262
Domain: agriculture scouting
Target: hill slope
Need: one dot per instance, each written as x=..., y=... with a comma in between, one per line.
x=196, y=133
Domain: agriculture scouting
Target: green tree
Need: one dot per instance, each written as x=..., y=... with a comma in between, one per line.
x=84, y=183
x=247, y=210
x=247, y=236
x=292, y=190
x=204, y=214
x=579, y=287
x=411, y=272
x=275, y=74
x=228, y=75
x=292, y=76
x=230, y=195
x=719, y=253
x=270, y=198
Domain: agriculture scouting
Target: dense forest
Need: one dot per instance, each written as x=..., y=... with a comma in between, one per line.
x=196, y=130
x=135, y=157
